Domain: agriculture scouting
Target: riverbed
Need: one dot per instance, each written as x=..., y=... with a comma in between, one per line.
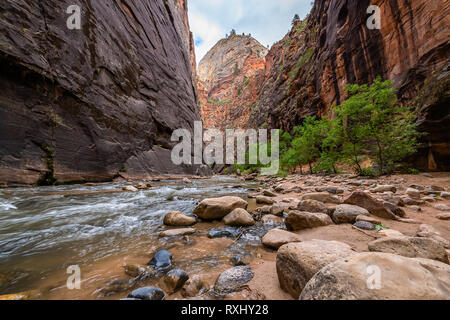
x=99, y=228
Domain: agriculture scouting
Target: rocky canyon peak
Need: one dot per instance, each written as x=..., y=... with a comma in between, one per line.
x=228, y=78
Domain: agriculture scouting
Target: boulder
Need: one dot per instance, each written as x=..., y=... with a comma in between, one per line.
x=364, y=225
x=298, y=262
x=239, y=217
x=177, y=232
x=395, y=209
x=279, y=208
x=233, y=279
x=444, y=216
x=312, y=206
x=271, y=219
x=412, y=247
x=264, y=200
x=174, y=280
x=129, y=189
x=390, y=233
x=370, y=219
x=161, y=260
x=380, y=276
x=298, y=220
x=217, y=208
x=384, y=188
x=147, y=293
x=413, y=193
x=347, y=213
x=366, y=201
x=275, y=238
x=194, y=287
x=442, y=207
x=324, y=197
x=178, y=219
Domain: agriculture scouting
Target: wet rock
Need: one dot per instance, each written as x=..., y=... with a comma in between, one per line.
x=223, y=233
x=384, y=188
x=264, y=200
x=322, y=197
x=366, y=201
x=142, y=186
x=443, y=216
x=177, y=232
x=241, y=260
x=298, y=262
x=271, y=219
x=279, y=208
x=117, y=286
x=239, y=217
x=129, y=189
x=401, y=279
x=264, y=210
x=233, y=279
x=147, y=293
x=364, y=225
x=412, y=247
x=187, y=181
x=194, y=287
x=413, y=193
x=134, y=271
x=347, y=213
x=441, y=207
x=174, y=280
x=312, y=206
x=161, y=260
x=275, y=238
x=178, y=219
x=217, y=208
x=298, y=220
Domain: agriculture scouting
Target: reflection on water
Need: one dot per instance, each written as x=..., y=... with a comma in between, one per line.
x=44, y=230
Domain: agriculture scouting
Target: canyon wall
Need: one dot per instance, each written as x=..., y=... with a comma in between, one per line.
x=306, y=72
x=96, y=103
x=229, y=77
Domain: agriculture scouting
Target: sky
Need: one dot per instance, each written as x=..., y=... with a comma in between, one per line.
x=266, y=20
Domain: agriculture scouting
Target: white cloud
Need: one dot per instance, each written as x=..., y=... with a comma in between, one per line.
x=267, y=20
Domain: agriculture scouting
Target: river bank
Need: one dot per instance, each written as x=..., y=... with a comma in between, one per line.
x=105, y=231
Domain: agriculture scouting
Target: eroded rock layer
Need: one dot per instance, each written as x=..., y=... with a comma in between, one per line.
x=94, y=103
x=229, y=77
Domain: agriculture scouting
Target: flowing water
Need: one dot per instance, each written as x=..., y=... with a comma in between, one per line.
x=44, y=230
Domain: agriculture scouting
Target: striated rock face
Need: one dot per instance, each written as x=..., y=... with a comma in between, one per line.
x=307, y=71
x=229, y=78
x=89, y=104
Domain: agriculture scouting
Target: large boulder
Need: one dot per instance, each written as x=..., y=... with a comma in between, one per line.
x=298, y=220
x=298, y=262
x=412, y=247
x=239, y=217
x=347, y=213
x=233, y=279
x=374, y=206
x=178, y=219
x=380, y=276
x=312, y=206
x=275, y=238
x=217, y=208
x=322, y=197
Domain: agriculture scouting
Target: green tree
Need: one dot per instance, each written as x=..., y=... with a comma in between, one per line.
x=376, y=125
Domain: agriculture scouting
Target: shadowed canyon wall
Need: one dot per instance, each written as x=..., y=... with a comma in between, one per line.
x=96, y=103
x=306, y=72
